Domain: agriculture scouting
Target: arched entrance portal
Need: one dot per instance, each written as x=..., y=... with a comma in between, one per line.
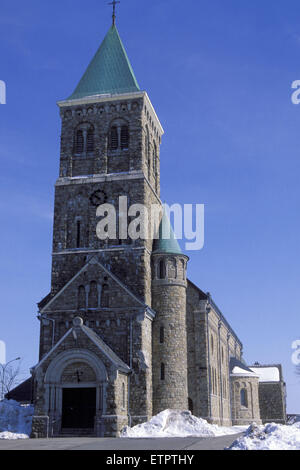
x=76, y=382
x=78, y=408
x=79, y=394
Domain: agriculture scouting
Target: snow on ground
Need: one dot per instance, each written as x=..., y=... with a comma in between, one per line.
x=173, y=423
x=15, y=420
x=269, y=437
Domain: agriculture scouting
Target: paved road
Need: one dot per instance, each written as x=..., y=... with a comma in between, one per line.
x=82, y=443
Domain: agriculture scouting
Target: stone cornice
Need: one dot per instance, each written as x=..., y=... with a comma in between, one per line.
x=110, y=98
x=68, y=180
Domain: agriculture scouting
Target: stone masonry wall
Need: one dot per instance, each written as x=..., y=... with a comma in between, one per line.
x=245, y=414
x=115, y=414
x=198, y=379
x=211, y=344
x=272, y=402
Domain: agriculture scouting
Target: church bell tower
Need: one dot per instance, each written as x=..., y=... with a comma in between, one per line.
x=101, y=288
x=110, y=143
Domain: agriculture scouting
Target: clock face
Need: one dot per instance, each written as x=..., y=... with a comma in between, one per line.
x=98, y=197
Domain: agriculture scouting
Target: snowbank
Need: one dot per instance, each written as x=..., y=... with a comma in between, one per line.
x=173, y=423
x=15, y=420
x=270, y=437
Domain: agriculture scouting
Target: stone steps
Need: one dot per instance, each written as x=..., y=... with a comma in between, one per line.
x=72, y=432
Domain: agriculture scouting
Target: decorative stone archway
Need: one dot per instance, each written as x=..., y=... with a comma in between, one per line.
x=59, y=376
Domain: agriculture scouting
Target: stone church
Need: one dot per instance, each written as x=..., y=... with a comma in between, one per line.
x=124, y=334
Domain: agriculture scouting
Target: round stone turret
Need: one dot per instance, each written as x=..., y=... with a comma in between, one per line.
x=169, y=361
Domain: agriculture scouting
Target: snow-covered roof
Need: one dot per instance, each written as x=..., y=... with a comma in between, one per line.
x=267, y=374
x=238, y=368
x=240, y=371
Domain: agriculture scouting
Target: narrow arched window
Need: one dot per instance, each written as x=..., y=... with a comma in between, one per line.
x=105, y=296
x=244, y=398
x=162, y=371
x=90, y=141
x=123, y=395
x=81, y=298
x=154, y=158
x=93, y=295
x=183, y=270
x=146, y=147
x=114, y=138
x=162, y=269
x=162, y=335
x=147, y=151
x=147, y=142
x=124, y=137
x=172, y=268
x=79, y=142
x=191, y=405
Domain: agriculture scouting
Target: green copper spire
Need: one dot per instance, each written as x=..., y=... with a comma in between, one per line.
x=166, y=243
x=109, y=72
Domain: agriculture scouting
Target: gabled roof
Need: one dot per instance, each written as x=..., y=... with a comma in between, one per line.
x=107, y=351
x=47, y=301
x=203, y=296
x=22, y=392
x=268, y=373
x=103, y=347
x=109, y=72
x=166, y=242
x=238, y=368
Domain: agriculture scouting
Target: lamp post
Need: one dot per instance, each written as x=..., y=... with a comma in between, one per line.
x=4, y=367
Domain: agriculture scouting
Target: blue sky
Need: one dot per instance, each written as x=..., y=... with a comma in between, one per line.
x=219, y=74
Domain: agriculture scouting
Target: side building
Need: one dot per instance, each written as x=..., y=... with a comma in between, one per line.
x=272, y=393
x=212, y=344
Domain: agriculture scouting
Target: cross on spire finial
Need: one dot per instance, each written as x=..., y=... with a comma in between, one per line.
x=114, y=3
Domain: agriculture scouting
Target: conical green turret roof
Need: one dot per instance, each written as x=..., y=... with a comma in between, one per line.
x=166, y=242
x=109, y=72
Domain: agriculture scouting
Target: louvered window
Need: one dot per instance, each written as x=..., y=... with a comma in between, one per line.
x=90, y=141
x=79, y=142
x=114, y=140
x=124, y=137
